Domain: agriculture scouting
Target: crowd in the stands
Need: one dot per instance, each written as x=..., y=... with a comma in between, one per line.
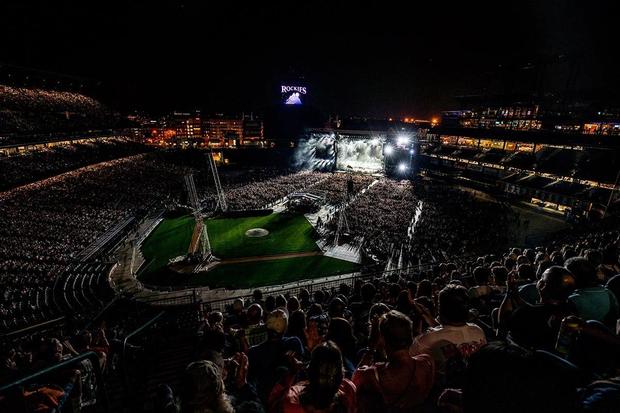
x=596, y=164
x=29, y=110
x=46, y=224
x=37, y=165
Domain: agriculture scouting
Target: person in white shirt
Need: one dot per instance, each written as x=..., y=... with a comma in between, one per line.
x=454, y=340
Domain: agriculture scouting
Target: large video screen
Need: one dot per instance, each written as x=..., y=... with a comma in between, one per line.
x=315, y=152
x=365, y=155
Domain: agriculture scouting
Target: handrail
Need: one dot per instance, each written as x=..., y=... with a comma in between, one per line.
x=187, y=297
x=363, y=274
x=140, y=329
x=126, y=340
x=54, y=292
x=135, y=333
x=91, y=355
x=101, y=312
x=31, y=328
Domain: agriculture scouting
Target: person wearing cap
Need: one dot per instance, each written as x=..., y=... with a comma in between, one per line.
x=269, y=360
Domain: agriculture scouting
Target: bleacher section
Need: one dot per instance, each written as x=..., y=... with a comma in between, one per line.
x=27, y=110
x=31, y=299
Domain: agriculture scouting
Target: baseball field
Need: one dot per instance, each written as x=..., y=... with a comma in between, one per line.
x=252, y=251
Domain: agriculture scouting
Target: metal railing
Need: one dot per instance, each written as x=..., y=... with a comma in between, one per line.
x=101, y=313
x=135, y=363
x=91, y=356
x=193, y=295
x=138, y=331
x=186, y=297
x=103, y=240
x=53, y=323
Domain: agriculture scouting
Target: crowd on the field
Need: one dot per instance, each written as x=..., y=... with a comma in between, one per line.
x=338, y=186
x=45, y=225
x=423, y=223
x=379, y=218
x=263, y=193
x=28, y=110
x=262, y=188
x=467, y=224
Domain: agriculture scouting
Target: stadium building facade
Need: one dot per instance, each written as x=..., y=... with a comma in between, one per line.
x=565, y=161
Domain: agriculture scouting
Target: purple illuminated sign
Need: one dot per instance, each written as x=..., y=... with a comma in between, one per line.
x=292, y=95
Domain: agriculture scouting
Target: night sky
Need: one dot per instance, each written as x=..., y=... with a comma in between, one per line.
x=396, y=58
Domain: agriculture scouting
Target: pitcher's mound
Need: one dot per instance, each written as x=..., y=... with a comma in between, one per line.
x=256, y=233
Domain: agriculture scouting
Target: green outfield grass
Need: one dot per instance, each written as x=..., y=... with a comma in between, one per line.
x=288, y=234
x=256, y=273
x=170, y=239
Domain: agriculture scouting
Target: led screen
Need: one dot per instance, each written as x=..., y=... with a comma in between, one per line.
x=365, y=155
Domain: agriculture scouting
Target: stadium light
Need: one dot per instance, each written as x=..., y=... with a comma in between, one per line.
x=402, y=139
x=402, y=167
x=388, y=149
x=411, y=151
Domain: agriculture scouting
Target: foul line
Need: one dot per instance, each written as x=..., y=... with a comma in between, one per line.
x=270, y=257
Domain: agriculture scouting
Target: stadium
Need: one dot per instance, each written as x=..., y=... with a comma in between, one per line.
x=174, y=240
